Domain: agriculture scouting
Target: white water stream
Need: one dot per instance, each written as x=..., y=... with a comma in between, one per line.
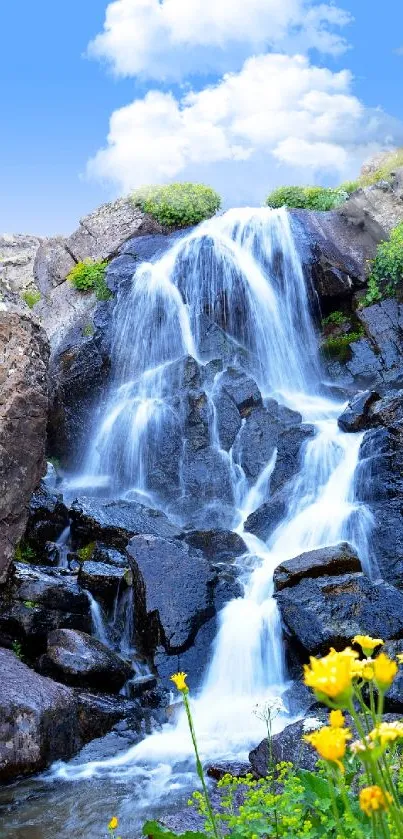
x=244, y=271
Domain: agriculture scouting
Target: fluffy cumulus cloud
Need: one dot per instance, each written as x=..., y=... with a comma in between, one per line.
x=169, y=39
x=278, y=118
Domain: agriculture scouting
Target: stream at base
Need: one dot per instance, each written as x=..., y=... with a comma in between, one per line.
x=252, y=266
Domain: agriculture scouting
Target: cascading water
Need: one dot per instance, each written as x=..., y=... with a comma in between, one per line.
x=243, y=274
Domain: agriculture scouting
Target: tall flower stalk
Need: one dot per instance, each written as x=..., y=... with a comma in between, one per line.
x=179, y=679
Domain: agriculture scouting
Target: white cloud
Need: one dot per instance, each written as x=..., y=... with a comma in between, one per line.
x=279, y=118
x=169, y=39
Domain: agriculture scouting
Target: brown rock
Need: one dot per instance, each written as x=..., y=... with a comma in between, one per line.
x=38, y=719
x=23, y=417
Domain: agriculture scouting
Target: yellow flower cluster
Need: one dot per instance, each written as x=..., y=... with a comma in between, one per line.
x=387, y=732
x=331, y=677
x=330, y=743
x=373, y=799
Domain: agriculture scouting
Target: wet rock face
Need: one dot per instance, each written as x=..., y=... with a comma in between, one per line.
x=338, y=559
x=102, y=580
x=48, y=517
x=23, y=417
x=36, y=601
x=357, y=414
x=76, y=658
x=376, y=359
x=115, y=522
x=329, y=611
x=178, y=594
x=39, y=721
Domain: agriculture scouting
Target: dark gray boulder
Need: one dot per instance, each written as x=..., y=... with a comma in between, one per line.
x=329, y=611
x=356, y=416
x=39, y=721
x=288, y=746
x=35, y=602
x=228, y=419
x=331, y=561
x=216, y=545
x=173, y=587
x=115, y=522
x=102, y=580
x=242, y=389
x=263, y=521
x=76, y=658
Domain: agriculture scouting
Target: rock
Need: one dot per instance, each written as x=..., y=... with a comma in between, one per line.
x=298, y=699
x=216, y=545
x=263, y=521
x=173, y=587
x=220, y=768
x=23, y=418
x=48, y=517
x=102, y=580
x=289, y=454
x=331, y=561
x=39, y=722
x=53, y=261
x=34, y=603
x=17, y=257
x=257, y=441
x=115, y=522
x=76, y=658
x=379, y=484
x=228, y=420
x=329, y=611
x=205, y=478
x=288, y=746
x=98, y=713
x=376, y=360
x=139, y=685
x=388, y=412
x=355, y=416
x=242, y=389
x=110, y=556
x=379, y=204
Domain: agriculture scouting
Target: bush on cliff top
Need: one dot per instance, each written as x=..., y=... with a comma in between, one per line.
x=178, y=205
x=309, y=197
x=90, y=276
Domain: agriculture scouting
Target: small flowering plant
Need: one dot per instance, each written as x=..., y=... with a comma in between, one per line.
x=356, y=790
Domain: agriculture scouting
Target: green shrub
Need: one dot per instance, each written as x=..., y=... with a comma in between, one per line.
x=16, y=647
x=24, y=553
x=90, y=276
x=85, y=553
x=31, y=296
x=339, y=346
x=88, y=330
x=388, y=263
x=178, y=205
x=30, y=604
x=335, y=319
x=307, y=197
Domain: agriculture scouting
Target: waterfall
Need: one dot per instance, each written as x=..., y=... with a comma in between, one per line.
x=242, y=271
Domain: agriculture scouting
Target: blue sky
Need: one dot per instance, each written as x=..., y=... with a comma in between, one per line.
x=56, y=105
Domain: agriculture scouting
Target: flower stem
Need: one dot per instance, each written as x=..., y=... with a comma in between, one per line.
x=199, y=768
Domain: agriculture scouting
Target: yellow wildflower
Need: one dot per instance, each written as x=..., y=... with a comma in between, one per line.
x=336, y=719
x=362, y=746
x=330, y=743
x=330, y=676
x=113, y=824
x=373, y=799
x=367, y=643
x=367, y=672
x=400, y=658
x=179, y=679
x=387, y=732
x=384, y=671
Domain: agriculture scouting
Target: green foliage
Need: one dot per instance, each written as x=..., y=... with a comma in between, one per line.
x=339, y=346
x=288, y=804
x=307, y=197
x=90, y=276
x=373, y=294
x=24, y=553
x=88, y=330
x=31, y=296
x=335, y=319
x=16, y=647
x=349, y=186
x=85, y=553
x=30, y=604
x=178, y=205
x=156, y=829
x=388, y=262
x=384, y=172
